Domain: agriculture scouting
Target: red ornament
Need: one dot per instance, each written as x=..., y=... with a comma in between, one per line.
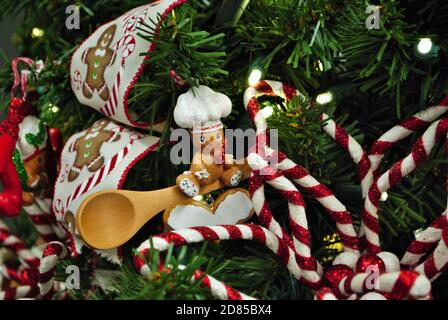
x=370, y=260
x=335, y=274
x=11, y=197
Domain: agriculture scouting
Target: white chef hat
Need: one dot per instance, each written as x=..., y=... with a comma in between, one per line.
x=201, y=107
x=32, y=138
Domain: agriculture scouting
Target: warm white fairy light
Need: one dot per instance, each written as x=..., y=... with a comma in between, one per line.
x=320, y=66
x=325, y=98
x=384, y=196
x=37, y=33
x=424, y=46
x=255, y=76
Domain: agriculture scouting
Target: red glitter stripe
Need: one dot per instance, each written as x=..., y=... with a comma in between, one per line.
x=419, y=247
x=208, y=233
x=349, y=241
x=290, y=92
x=255, y=183
x=257, y=233
x=234, y=232
x=372, y=248
x=307, y=263
x=370, y=221
x=341, y=217
x=419, y=153
x=380, y=147
x=283, y=251
x=374, y=194
x=233, y=294
x=297, y=172
x=139, y=261
x=172, y=237
x=413, y=124
x=263, y=87
x=319, y=191
x=52, y=249
x=252, y=108
x=341, y=137
x=363, y=166
x=300, y=233
x=265, y=215
x=403, y=285
x=442, y=128
x=293, y=197
x=320, y=295
x=395, y=174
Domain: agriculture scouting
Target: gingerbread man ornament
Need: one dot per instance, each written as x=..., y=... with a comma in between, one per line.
x=98, y=58
x=88, y=148
x=200, y=109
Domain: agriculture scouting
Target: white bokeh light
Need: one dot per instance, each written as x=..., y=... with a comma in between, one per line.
x=424, y=46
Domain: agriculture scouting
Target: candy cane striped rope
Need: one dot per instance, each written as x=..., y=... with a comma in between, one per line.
x=19, y=293
x=224, y=232
x=428, y=238
x=398, y=285
x=311, y=269
x=12, y=242
x=425, y=242
x=437, y=262
x=336, y=210
x=418, y=121
x=357, y=153
x=298, y=174
x=325, y=294
x=391, y=177
x=50, y=257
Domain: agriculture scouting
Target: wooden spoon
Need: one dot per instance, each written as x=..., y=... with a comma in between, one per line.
x=109, y=218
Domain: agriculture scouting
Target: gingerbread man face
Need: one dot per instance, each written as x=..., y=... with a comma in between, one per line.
x=106, y=38
x=36, y=171
x=88, y=148
x=208, y=141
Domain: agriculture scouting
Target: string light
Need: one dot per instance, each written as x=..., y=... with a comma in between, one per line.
x=325, y=98
x=37, y=33
x=384, y=196
x=426, y=50
x=319, y=66
x=255, y=76
x=256, y=71
x=424, y=46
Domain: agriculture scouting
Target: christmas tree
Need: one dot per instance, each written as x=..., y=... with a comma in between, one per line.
x=349, y=71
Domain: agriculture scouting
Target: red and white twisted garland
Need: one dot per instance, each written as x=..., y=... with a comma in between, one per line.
x=438, y=260
x=391, y=177
x=218, y=289
x=51, y=255
x=16, y=245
